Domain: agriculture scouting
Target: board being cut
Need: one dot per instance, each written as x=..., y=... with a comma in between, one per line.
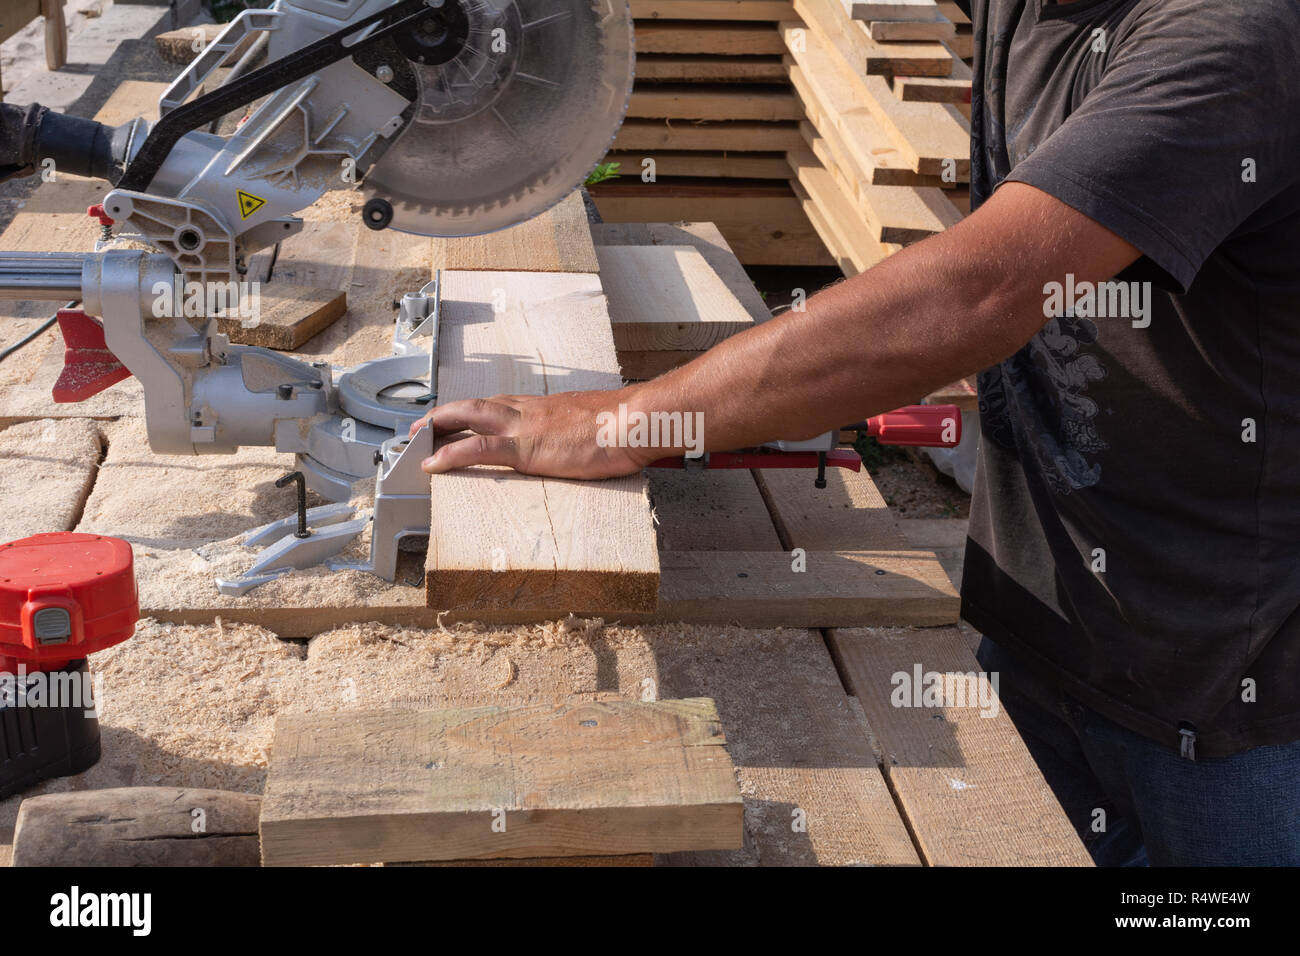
x=576, y=778
x=667, y=297
x=502, y=540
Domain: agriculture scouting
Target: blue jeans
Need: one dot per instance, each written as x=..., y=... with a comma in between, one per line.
x=1135, y=802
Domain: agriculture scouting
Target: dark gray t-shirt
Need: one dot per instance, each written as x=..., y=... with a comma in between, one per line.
x=1135, y=530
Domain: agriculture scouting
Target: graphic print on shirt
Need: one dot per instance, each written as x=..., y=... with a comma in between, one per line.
x=1048, y=379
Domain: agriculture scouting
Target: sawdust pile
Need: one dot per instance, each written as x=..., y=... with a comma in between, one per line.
x=195, y=705
x=182, y=501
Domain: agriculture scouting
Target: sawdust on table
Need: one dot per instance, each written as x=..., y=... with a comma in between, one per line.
x=195, y=705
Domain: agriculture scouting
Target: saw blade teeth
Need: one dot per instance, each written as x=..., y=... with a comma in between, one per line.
x=496, y=138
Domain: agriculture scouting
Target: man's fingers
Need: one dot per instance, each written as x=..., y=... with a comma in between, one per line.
x=473, y=450
x=481, y=415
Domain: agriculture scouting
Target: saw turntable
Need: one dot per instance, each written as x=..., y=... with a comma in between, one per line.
x=456, y=117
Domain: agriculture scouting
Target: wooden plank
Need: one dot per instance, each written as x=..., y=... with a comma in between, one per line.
x=895, y=214
x=886, y=31
x=971, y=793
x=764, y=225
x=849, y=514
x=931, y=137
x=667, y=297
x=714, y=510
x=956, y=14
x=834, y=589
x=702, y=68
x=750, y=39
x=639, y=135
x=814, y=793
x=685, y=102
x=709, y=9
x=556, y=241
x=884, y=214
x=839, y=114
x=932, y=89
x=849, y=235
x=578, y=778
x=705, y=238
x=963, y=45
x=691, y=163
x=138, y=826
x=641, y=366
x=835, y=245
x=320, y=256
x=49, y=468
x=289, y=316
x=503, y=540
x=921, y=11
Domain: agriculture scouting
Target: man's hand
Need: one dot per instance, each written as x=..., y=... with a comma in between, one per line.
x=553, y=435
x=928, y=315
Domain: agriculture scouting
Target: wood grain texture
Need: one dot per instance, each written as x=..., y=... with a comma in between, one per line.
x=970, y=791
x=751, y=39
x=849, y=514
x=764, y=226
x=837, y=114
x=289, y=316
x=892, y=31
x=579, y=778
x=918, y=11
x=833, y=215
x=832, y=589
x=556, y=241
x=714, y=510
x=705, y=238
x=734, y=135
x=667, y=297
x=49, y=469
x=138, y=826
x=704, y=68
x=814, y=793
x=892, y=214
x=686, y=102
x=557, y=544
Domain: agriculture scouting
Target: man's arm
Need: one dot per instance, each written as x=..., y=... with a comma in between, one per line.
x=926, y=316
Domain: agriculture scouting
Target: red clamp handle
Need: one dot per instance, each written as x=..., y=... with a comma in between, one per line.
x=929, y=426
x=97, y=212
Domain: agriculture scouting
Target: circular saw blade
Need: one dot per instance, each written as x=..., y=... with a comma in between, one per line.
x=514, y=122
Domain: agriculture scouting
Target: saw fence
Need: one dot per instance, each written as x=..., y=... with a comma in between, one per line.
x=696, y=571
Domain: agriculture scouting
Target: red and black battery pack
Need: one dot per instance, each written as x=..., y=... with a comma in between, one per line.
x=63, y=596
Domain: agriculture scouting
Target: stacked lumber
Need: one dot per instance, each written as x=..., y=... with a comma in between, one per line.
x=733, y=96
x=711, y=117
x=884, y=151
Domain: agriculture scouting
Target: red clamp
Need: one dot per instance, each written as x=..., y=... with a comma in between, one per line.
x=88, y=365
x=921, y=426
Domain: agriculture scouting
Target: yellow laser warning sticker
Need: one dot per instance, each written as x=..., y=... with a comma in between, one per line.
x=248, y=203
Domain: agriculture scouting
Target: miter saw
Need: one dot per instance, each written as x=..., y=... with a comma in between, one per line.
x=457, y=117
